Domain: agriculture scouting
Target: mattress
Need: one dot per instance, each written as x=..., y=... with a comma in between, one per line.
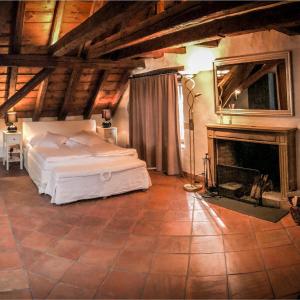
x=40, y=162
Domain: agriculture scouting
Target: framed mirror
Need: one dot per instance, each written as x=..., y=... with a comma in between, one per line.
x=259, y=84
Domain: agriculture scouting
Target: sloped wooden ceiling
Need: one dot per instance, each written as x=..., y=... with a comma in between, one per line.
x=63, y=58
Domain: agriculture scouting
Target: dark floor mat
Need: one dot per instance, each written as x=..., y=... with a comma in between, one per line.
x=261, y=212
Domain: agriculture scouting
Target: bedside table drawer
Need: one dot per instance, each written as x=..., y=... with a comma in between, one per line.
x=13, y=139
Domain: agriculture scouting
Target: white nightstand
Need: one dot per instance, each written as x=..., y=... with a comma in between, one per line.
x=12, y=148
x=110, y=134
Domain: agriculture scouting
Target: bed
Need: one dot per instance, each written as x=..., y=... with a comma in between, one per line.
x=70, y=173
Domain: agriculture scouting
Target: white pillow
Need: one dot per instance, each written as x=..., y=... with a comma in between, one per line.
x=36, y=139
x=51, y=140
x=72, y=144
x=88, y=138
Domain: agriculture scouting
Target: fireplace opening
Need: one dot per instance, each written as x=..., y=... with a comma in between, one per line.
x=240, y=164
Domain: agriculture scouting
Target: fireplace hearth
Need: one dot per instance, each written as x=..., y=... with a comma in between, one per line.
x=242, y=155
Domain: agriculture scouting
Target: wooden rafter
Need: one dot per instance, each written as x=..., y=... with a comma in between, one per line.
x=73, y=82
x=16, y=45
x=248, y=80
x=56, y=23
x=210, y=44
x=75, y=77
x=102, y=76
x=181, y=17
x=289, y=30
x=106, y=18
x=53, y=37
x=121, y=89
x=47, y=61
x=160, y=6
x=229, y=25
x=114, y=12
x=40, y=100
x=30, y=85
x=237, y=74
x=257, y=75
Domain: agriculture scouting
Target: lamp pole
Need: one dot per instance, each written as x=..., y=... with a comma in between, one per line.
x=191, y=97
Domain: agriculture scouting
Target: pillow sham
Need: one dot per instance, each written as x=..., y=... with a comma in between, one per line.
x=35, y=139
x=72, y=144
x=88, y=138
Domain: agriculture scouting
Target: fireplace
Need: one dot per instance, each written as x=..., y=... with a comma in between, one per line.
x=240, y=154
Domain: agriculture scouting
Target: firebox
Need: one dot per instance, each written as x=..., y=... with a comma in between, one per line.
x=243, y=162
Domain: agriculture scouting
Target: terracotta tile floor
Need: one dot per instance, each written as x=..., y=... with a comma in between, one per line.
x=163, y=243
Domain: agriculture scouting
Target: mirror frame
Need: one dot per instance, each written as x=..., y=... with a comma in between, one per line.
x=286, y=55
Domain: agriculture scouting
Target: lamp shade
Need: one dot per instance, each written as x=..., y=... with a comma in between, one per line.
x=106, y=114
x=12, y=117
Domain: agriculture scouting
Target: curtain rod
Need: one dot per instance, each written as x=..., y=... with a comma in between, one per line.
x=158, y=72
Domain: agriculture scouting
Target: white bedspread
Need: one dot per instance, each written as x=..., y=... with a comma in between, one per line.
x=64, y=154
x=107, y=149
x=40, y=162
x=47, y=155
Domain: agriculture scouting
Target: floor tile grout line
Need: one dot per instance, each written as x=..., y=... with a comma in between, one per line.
x=206, y=235
x=17, y=249
x=291, y=239
x=263, y=260
x=229, y=294
x=111, y=269
x=190, y=249
x=58, y=281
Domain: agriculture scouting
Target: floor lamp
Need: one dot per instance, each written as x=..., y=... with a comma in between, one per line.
x=192, y=186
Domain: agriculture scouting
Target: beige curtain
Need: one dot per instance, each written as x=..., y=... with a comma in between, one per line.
x=153, y=121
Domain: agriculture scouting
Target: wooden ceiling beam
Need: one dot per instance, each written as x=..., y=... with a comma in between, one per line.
x=47, y=61
x=182, y=16
x=57, y=20
x=160, y=6
x=39, y=103
x=210, y=44
x=53, y=37
x=91, y=103
x=106, y=18
x=231, y=25
x=73, y=82
x=74, y=78
x=103, y=20
x=13, y=73
x=120, y=92
x=16, y=45
x=17, y=38
x=292, y=30
x=29, y=86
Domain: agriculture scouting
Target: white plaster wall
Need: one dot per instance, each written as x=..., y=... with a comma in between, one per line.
x=199, y=60
x=259, y=42
x=121, y=120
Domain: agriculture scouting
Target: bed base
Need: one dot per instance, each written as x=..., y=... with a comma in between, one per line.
x=70, y=189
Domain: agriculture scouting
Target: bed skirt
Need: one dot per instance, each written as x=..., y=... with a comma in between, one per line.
x=72, y=184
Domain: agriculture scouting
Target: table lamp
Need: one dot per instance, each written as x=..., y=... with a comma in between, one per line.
x=106, y=115
x=11, y=118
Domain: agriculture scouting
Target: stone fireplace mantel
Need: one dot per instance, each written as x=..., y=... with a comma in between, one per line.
x=284, y=137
